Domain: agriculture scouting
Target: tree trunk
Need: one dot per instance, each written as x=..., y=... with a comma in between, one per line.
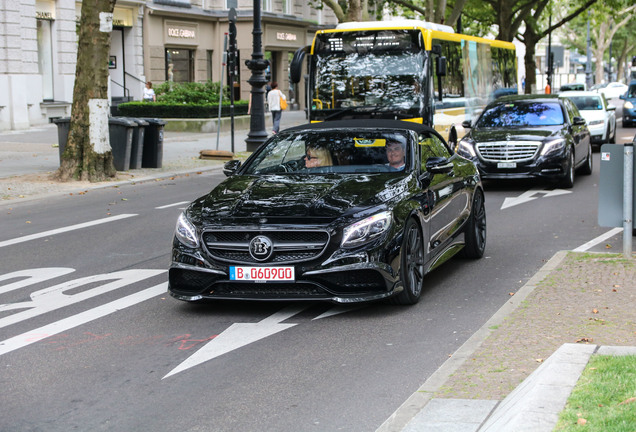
x=354, y=13
x=530, y=40
x=88, y=155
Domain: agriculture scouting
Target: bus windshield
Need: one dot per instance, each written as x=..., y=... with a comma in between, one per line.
x=379, y=70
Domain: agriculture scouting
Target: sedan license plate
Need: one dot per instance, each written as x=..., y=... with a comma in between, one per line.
x=262, y=274
x=507, y=165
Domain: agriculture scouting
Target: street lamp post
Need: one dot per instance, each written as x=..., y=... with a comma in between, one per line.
x=257, y=134
x=588, y=64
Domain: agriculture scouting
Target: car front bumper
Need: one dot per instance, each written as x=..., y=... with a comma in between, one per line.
x=552, y=167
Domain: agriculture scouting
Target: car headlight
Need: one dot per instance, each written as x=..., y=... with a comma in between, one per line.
x=186, y=232
x=366, y=230
x=466, y=148
x=553, y=146
x=628, y=105
x=595, y=122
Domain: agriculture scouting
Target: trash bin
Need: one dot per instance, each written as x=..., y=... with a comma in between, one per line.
x=63, y=127
x=137, y=145
x=121, y=131
x=153, y=143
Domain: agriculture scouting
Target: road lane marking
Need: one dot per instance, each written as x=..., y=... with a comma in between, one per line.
x=172, y=205
x=32, y=276
x=25, y=339
x=530, y=195
x=64, y=229
x=597, y=240
x=238, y=335
x=56, y=297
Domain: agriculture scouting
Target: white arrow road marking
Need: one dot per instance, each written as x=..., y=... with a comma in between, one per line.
x=338, y=310
x=64, y=229
x=238, y=335
x=37, y=335
x=530, y=195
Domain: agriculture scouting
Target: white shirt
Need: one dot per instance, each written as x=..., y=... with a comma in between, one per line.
x=273, y=99
x=149, y=94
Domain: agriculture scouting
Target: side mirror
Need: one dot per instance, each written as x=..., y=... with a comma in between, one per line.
x=296, y=65
x=623, y=96
x=578, y=121
x=611, y=108
x=230, y=167
x=441, y=66
x=466, y=124
x=438, y=165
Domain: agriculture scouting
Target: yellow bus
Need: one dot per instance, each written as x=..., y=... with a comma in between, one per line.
x=406, y=69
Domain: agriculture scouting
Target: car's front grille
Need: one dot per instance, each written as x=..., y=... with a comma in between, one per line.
x=508, y=151
x=267, y=290
x=288, y=246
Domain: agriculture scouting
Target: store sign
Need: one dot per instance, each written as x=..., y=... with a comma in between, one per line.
x=44, y=10
x=283, y=36
x=181, y=32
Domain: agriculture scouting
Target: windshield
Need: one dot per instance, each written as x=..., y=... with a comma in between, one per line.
x=368, y=69
x=522, y=114
x=587, y=103
x=332, y=151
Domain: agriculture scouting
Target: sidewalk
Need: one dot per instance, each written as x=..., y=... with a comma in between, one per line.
x=28, y=158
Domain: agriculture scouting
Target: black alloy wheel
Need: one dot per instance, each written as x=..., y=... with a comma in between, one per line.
x=568, y=179
x=586, y=169
x=412, y=265
x=475, y=233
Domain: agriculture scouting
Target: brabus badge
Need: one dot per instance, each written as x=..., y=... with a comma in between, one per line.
x=261, y=248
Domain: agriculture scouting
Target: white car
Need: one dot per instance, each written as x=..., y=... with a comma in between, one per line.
x=598, y=114
x=613, y=90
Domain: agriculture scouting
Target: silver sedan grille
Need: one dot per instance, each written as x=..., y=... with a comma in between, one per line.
x=508, y=151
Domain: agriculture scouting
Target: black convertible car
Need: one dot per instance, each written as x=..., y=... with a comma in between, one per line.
x=342, y=211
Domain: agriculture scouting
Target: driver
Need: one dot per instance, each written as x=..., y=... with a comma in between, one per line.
x=395, y=153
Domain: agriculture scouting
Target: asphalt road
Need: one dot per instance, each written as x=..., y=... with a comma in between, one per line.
x=89, y=340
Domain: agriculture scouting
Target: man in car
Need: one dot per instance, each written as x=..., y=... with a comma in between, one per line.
x=395, y=154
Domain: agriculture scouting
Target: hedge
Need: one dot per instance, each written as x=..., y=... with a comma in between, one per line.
x=172, y=110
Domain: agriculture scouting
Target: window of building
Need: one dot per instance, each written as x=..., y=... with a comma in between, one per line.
x=179, y=65
x=267, y=5
x=210, y=64
x=287, y=6
x=45, y=58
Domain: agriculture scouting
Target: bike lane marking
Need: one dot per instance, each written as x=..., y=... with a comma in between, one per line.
x=64, y=229
x=25, y=339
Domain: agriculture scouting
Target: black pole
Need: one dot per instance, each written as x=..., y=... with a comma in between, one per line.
x=257, y=134
x=549, y=57
x=232, y=69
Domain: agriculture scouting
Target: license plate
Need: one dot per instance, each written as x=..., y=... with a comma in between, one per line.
x=507, y=165
x=261, y=274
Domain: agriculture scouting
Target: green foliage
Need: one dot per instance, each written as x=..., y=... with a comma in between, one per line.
x=190, y=92
x=180, y=110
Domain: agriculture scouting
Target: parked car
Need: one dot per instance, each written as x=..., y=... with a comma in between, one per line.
x=598, y=114
x=613, y=90
x=629, y=105
x=324, y=212
x=529, y=136
x=573, y=87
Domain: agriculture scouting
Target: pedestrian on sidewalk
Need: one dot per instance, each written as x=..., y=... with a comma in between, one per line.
x=274, y=102
x=149, y=93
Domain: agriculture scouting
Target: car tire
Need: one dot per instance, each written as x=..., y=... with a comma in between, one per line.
x=612, y=140
x=586, y=169
x=567, y=181
x=411, y=265
x=475, y=231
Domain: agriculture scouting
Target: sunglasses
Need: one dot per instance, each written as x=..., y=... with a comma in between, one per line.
x=310, y=157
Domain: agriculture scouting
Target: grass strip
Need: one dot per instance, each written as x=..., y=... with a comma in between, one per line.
x=604, y=398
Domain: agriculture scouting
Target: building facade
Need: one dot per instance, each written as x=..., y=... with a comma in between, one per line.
x=155, y=40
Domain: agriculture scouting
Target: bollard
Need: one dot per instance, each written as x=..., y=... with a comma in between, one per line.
x=628, y=193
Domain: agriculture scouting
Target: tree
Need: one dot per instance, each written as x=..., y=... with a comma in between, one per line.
x=88, y=155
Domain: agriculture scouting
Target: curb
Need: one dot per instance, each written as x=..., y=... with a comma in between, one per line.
x=418, y=400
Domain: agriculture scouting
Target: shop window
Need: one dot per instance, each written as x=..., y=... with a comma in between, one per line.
x=210, y=65
x=179, y=65
x=45, y=58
